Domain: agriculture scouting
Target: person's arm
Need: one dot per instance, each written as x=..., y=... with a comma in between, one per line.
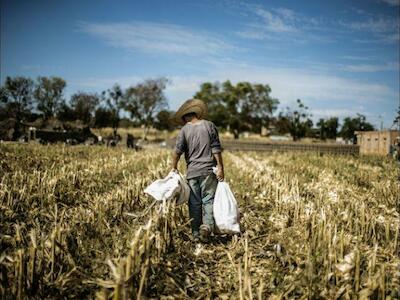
x=220, y=166
x=180, y=148
x=175, y=160
x=216, y=151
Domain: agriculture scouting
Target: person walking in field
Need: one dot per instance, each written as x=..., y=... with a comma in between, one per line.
x=198, y=140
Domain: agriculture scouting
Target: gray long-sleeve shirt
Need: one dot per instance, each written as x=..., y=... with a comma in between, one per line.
x=199, y=142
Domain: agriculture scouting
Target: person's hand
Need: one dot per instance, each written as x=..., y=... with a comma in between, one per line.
x=220, y=174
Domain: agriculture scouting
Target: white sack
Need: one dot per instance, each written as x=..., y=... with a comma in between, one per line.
x=225, y=209
x=173, y=185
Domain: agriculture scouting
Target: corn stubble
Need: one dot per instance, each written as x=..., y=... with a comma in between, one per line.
x=76, y=224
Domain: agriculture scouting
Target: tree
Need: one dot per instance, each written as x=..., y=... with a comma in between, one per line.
x=84, y=105
x=282, y=124
x=144, y=100
x=114, y=100
x=321, y=126
x=104, y=117
x=66, y=113
x=327, y=128
x=16, y=101
x=16, y=97
x=331, y=127
x=243, y=106
x=350, y=125
x=163, y=120
x=211, y=95
x=255, y=105
x=49, y=95
x=300, y=124
x=308, y=128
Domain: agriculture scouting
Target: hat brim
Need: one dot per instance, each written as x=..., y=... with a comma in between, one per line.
x=190, y=106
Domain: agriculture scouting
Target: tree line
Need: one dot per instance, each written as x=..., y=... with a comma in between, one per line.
x=26, y=100
x=250, y=107
x=236, y=107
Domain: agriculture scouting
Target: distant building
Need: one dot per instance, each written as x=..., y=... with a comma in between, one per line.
x=377, y=142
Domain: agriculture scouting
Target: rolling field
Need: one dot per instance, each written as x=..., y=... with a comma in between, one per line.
x=74, y=223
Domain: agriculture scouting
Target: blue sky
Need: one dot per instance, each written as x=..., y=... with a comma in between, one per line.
x=340, y=57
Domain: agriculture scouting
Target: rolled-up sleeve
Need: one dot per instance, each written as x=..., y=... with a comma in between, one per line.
x=181, y=144
x=215, y=143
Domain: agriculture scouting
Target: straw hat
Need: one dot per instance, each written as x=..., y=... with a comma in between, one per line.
x=190, y=106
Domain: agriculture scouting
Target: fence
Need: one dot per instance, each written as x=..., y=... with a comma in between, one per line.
x=233, y=145
x=291, y=147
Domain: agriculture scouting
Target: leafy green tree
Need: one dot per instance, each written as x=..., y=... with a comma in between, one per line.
x=104, y=117
x=49, y=95
x=350, y=125
x=84, y=105
x=261, y=106
x=113, y=99
x=282, y=124
x=300, y=124
x=66, y=113
x=16, y=101
x=331, y=127
x=210, y=93
x=16, y=97
x=163, y=120
x=144, y=100
x=321, y=126
x=243, y=106
x=327, y=128
x=308, y=128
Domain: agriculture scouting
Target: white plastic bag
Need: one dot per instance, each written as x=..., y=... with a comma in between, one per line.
x=170, y=187
x=226, y=213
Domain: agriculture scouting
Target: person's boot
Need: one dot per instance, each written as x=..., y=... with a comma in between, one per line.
x=195, y=237
x=204, y=233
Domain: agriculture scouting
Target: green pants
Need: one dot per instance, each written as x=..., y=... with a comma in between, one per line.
x=202, y=191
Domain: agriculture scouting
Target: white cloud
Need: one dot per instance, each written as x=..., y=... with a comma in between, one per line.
x=252, y=34
x=356, y=57
x=379, y=25
x=286, y=13
x=269, y=24
x=392, y=2
x=391, y=38
x=290, y=84
x=157, y=38
x=369, y=68
x=286, y=24
x=385, y=30
x=281, y=24
x=282, y=21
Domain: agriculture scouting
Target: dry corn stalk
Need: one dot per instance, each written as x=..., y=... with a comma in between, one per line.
x=316, y=227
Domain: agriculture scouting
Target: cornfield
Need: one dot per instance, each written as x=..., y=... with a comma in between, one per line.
x=76, y=224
